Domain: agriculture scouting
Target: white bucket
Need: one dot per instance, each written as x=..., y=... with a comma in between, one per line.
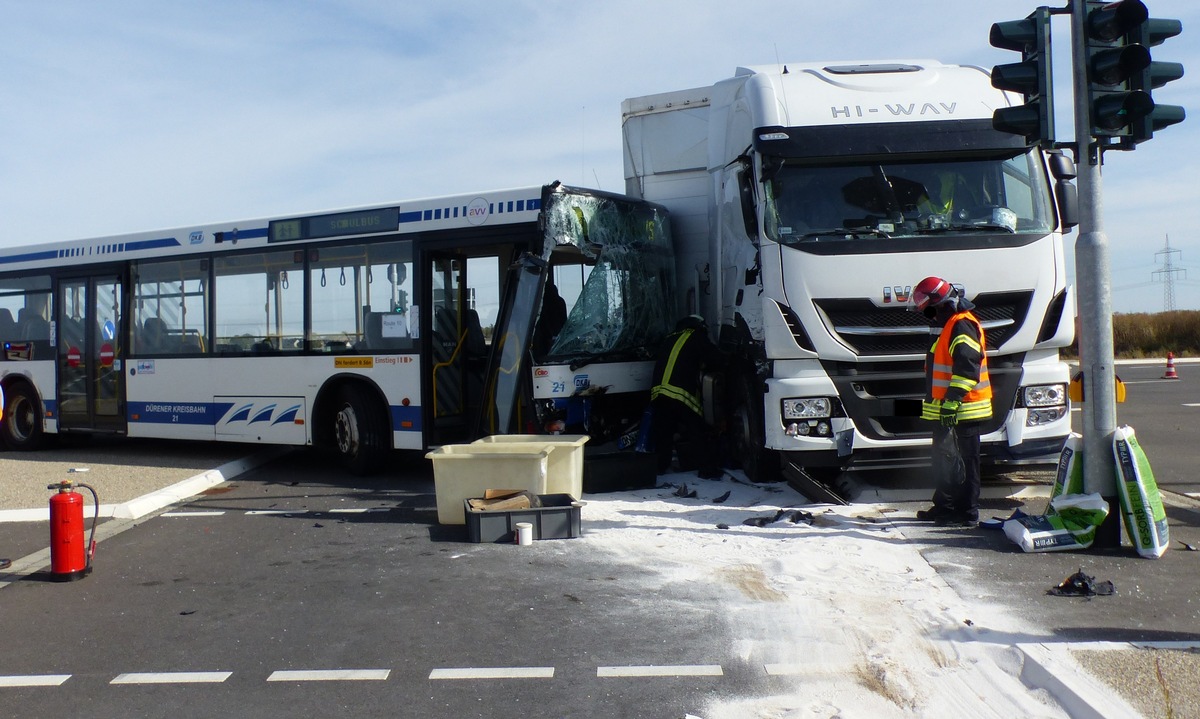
x=524, y=534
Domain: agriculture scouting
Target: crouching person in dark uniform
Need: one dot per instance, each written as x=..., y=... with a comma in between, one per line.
x=684, y=356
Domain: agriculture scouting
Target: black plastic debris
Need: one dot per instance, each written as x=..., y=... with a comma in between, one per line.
x=684, y=492
x=1081, y=585
x=722, y=498
x=795, y=516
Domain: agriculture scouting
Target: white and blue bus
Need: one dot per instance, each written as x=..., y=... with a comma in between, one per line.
x=402, y=326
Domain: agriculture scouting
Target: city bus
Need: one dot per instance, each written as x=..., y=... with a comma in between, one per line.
x=402, y=326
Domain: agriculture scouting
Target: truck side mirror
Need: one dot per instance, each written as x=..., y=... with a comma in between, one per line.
x=1068, y=203
x=746, y=195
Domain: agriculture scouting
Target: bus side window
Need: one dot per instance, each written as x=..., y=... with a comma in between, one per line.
x=8, y=326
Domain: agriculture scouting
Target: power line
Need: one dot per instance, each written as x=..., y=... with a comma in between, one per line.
x=1168, y=274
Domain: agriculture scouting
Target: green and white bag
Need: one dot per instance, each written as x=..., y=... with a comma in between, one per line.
x=1069, y=477
x=1141, y=505
x=1069, y=523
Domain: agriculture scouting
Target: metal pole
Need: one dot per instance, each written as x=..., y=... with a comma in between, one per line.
x=1093, y=280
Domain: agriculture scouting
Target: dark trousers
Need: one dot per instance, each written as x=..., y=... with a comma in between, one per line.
x=957, y=490
x=670, y=417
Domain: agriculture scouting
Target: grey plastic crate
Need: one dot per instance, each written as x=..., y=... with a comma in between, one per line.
x=557, y=518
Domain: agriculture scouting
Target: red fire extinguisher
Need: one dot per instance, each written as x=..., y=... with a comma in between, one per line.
x=70, y=558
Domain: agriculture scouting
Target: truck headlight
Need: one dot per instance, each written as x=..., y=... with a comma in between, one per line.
x=1044, y=395
x=807, y=408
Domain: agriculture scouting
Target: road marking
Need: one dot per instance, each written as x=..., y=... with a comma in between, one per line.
x=34, y=680
x=192, y=514
x=330, y=675
x=493, y=673
x=171, y=678
x=1191, y=404
x=687, y=670
x=276, y=511
x=361, y=510
x=784, y=670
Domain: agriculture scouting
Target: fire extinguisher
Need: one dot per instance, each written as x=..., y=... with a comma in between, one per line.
x=70, y=558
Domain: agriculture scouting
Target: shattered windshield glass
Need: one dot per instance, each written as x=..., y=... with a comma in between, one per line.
x=627, y=303
x=808, y=203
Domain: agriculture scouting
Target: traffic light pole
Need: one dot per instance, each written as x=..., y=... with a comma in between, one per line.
x=1093, y=281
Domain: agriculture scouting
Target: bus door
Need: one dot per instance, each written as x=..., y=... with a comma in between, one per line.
x=90, y=322
x=457, y=348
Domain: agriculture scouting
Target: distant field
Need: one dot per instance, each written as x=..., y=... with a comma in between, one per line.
x=1153, y=335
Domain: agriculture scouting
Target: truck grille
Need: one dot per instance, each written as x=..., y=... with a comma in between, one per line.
x=875, y=331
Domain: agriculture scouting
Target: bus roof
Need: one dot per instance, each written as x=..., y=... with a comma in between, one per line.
x=491, y=208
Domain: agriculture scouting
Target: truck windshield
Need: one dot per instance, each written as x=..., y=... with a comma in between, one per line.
x=808, y=203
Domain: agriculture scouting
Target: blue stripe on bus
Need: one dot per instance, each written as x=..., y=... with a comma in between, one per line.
x=151, y=244
x=30, y=257
x=202, y=413
x=406, y=419
x=448, y=212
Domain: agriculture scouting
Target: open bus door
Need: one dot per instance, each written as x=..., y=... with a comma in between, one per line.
x=509, y=356
x=456, y=346
x=90, y=334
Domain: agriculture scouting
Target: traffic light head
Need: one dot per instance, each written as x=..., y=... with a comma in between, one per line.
x=1121, y=73
x=1031, y=77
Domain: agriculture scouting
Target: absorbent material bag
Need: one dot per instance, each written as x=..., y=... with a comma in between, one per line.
x=1069, y=523
x=1141, y=505
x=1069, y=477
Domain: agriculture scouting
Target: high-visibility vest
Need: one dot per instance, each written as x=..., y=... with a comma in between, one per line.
x=977, y=403
x=665, y=389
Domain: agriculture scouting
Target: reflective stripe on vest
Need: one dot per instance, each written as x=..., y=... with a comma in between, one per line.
x=666, y=389
x=977, y=403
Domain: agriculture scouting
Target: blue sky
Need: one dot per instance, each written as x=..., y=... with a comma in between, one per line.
x=124, y=116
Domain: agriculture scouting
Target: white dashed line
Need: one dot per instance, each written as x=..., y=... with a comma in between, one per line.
x=171, y=678
x=275, y=511
x=363, y=510
x=192, y=514
x=34, y=680
x=687, y=670
x=493, y=673
x=330, y=675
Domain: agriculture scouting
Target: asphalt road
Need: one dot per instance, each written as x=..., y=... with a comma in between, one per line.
x=248, y=599
x=1166, y=416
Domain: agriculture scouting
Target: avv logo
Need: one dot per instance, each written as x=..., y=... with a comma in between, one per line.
x=478, y=211
x=197, y=237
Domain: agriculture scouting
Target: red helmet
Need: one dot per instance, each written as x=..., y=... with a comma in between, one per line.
x=931, y=292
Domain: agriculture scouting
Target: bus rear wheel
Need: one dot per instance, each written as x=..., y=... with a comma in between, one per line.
x=21, y=428
x=358, y=431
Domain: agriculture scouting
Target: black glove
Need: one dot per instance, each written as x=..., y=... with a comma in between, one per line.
x=950, y=412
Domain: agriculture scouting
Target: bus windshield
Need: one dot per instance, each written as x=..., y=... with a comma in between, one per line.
x=809, y=203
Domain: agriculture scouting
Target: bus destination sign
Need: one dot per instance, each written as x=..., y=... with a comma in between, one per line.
x=361, y=222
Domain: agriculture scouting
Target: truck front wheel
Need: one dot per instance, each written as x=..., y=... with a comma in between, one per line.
x=749, y=439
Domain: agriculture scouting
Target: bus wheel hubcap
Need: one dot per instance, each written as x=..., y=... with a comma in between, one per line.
x=346, y=431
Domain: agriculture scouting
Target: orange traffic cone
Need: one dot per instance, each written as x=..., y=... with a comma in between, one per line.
x=1170, y=373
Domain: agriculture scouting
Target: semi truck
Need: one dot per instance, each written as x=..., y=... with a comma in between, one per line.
x=807, y=200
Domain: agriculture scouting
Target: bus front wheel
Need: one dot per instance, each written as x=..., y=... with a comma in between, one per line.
x=21, y=428
x=358, y=431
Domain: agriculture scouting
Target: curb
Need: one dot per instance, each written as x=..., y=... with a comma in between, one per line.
x=1053, y=668
x=123, y=515
x=147, y=503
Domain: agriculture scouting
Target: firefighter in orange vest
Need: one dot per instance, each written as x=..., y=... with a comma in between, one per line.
x=958, y=398
x=675, y=396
